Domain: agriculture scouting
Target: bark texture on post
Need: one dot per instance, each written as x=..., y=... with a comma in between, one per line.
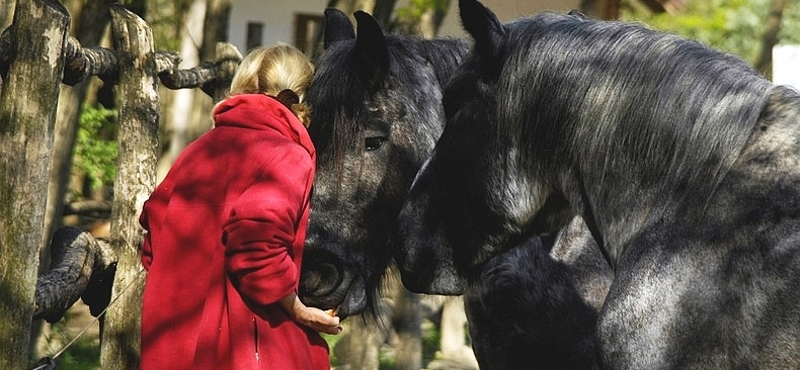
x=137, y=139
x=27, y=118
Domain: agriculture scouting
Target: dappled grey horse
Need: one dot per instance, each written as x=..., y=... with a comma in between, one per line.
x=682, y=160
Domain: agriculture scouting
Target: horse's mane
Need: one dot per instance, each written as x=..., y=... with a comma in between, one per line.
x=611, y=95
x=444, y=55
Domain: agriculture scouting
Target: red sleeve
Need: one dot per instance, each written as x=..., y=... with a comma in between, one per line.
x=260, y=233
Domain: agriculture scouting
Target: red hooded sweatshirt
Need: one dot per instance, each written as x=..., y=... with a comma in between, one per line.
x=225, y=239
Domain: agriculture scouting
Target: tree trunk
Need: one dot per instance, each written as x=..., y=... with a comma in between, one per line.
x=770, y=37
x=215, y=27
x=432, y=19
x=6, y=13
x=177, y=128
x=360, y=343
x=407, y=323
x=382, y=12
x=27, y=119
x=215, y=32
x=454, y=319
x=206, y=20
x=602, y=9
x=135, y=180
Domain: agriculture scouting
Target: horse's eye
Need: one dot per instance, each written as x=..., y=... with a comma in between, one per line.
x=373, y=143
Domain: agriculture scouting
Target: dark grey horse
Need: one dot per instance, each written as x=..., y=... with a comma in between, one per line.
x=376, y=115
x=682, y=160
x=377, y=109
x=536, y=305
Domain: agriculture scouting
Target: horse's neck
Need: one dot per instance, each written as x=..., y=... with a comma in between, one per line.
x=766, y=175
x=445, y=55
x=762, y=185
x=773, y=145
x=613, y=208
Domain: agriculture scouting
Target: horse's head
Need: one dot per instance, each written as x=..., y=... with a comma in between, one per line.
x=558, y=112
x=376, y=115
x=473, y=198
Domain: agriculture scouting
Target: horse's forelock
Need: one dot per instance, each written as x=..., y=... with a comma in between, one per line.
x=339, y=93
x=335, y=92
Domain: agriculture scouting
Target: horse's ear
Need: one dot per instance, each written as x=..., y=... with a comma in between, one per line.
x=371, y=45
x=484, y=27
x=337, y=27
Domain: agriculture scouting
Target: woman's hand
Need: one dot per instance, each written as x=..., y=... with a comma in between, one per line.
x=310, y=317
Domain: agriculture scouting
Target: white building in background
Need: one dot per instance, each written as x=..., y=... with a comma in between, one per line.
x=785, y=59
x=256, y=22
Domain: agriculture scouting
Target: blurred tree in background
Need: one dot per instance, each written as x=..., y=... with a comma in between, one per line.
x=734, y=26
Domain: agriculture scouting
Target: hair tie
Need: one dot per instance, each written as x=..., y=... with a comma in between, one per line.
x=287, y=97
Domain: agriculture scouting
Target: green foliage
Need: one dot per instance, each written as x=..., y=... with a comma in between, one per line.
x=332, y=340
x=166, y=20
x=83, y=354
x=386, y=362
x=431, y=338
x=416, y=8
x=96, y=145
x=733, y=26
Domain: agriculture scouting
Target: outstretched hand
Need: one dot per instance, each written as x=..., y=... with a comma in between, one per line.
x=310, y=317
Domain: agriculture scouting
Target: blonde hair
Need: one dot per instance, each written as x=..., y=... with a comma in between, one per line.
x=270, y=70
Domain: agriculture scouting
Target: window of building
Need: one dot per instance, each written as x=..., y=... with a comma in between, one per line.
x=255, y=34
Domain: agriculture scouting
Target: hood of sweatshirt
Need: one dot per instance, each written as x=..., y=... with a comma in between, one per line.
x=259, y=111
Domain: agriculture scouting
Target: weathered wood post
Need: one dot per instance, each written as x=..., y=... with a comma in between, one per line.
x=137, y=138
x=27, y=118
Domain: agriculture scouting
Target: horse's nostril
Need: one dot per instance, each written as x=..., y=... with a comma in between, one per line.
x=320, y=279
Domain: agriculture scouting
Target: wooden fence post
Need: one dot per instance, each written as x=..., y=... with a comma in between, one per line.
x=137, y=138
x=27, y=118
x=36, y=54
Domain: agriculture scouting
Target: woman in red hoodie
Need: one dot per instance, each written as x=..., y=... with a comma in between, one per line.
x=225, y=232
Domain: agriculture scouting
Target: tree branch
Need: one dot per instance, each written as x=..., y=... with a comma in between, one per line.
x=82, y=267
x=81, y=62
x=91, y=208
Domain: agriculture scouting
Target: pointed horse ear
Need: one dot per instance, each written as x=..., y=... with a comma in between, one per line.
x=484, y=27
x=337, y=27
x=372, y=48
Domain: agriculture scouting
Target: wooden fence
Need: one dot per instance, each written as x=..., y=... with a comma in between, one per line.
x=36, y=56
